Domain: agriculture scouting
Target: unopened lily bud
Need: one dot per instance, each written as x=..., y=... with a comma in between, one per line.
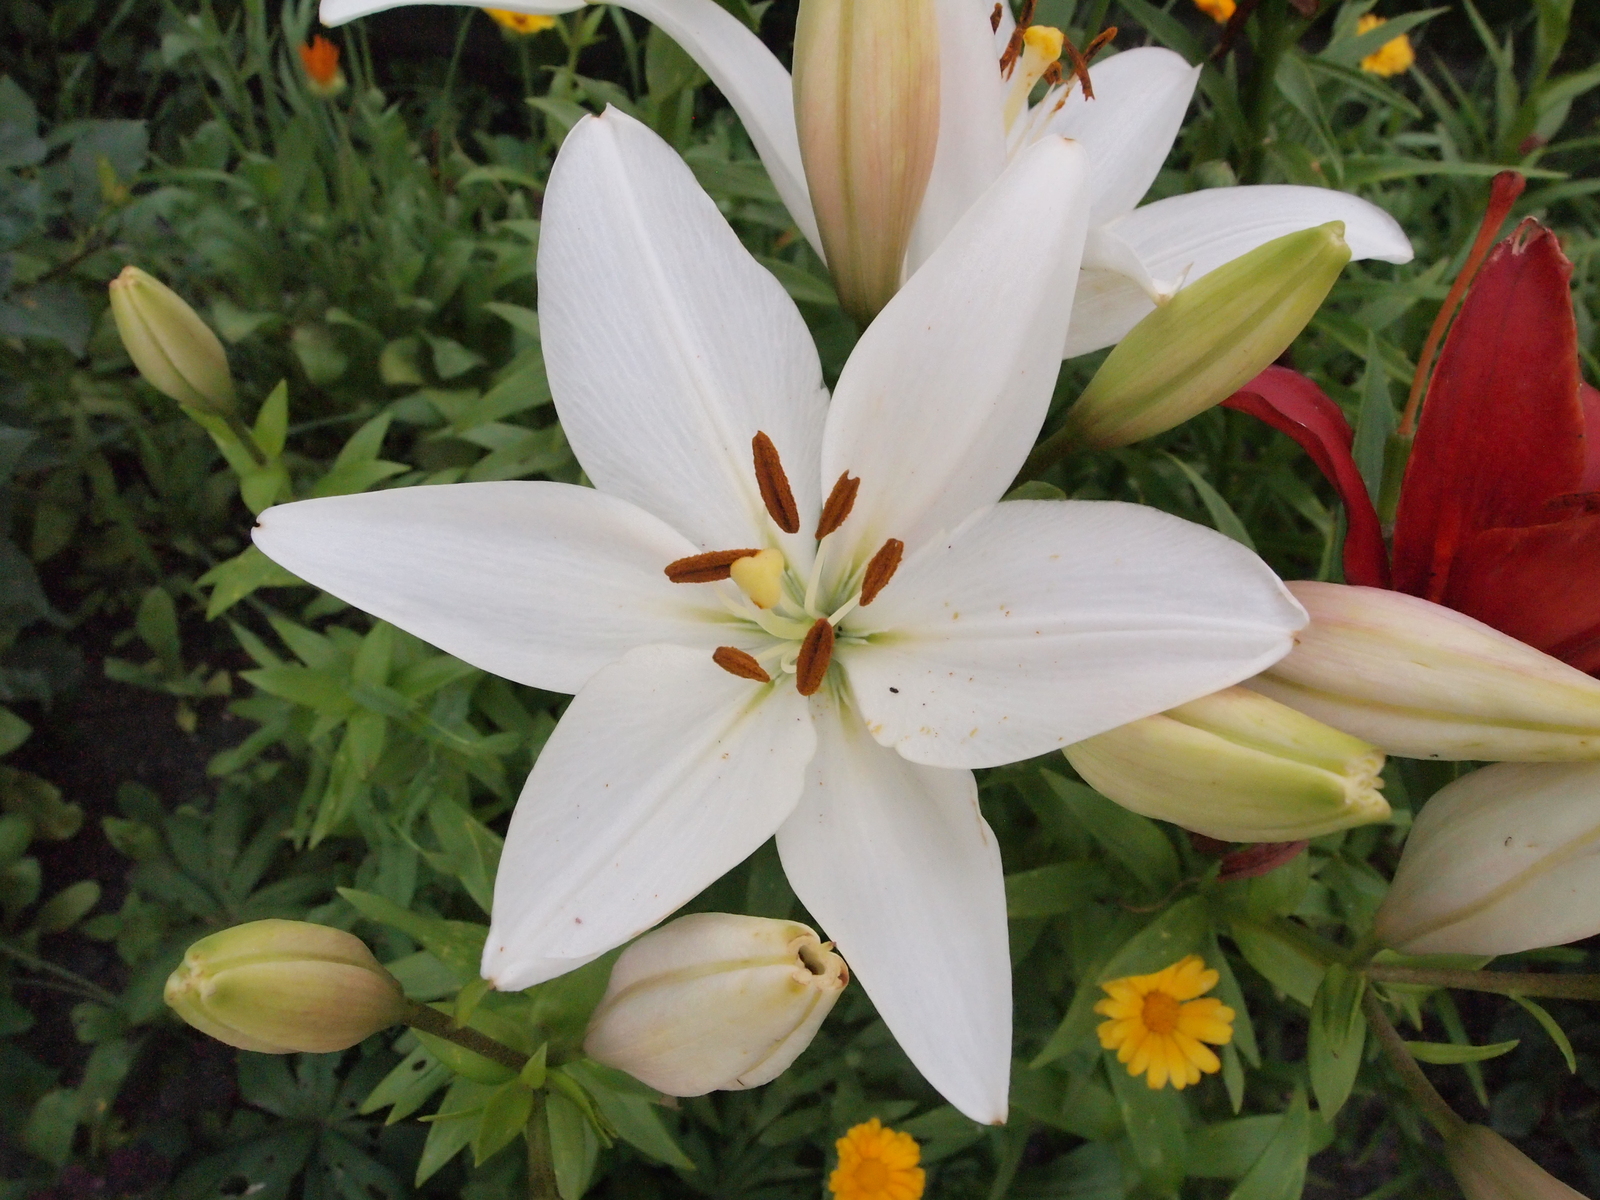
x=1490, y=1168
x=1424, y=681
x=173, y=348
x=1209, y=339
x=278, y=987
x=866, y=91
x=715, y=1000
x=1499, y=861
x=1239, y=767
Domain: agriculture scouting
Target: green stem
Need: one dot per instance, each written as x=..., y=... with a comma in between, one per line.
x=541, y=1164
x=1271, y=41
x=87, y=987
x=1505, y=983
x=1440, y=1115
x=431, y=1020
x=1048, y=453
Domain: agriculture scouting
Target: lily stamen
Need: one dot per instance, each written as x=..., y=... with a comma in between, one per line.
x=816, y=652
x=839, y=503
x=776, y=493
x=710, y=567
x=881, y=569
x=736, y=662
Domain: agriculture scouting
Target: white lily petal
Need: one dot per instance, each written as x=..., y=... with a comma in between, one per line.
x=338, y=12
x=664, y=772
x=946, y=390
x=1040, y=623
x=972, y=135
x=668, y=346
x=543, y=583
x=1128, y=129
x=1183, y=237
x=899, y=868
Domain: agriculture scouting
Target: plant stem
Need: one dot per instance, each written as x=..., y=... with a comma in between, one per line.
x=1505, y=983
x=246, y=439
x=1440, y=1115
x=431, y=1020
x=1048, y=453
x=541, y=1166
x=1271, y=41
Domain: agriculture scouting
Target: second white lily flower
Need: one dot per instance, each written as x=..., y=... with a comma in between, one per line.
x=785, y=616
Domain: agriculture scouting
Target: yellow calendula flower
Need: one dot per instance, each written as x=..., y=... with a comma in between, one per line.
x=521, y=22
x=1158, y=1027
x=1392, y=57
x=1220, y=11
x=877, y=1164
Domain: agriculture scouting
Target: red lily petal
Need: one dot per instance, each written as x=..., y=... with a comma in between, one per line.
x=1292, y=404
x=1590, y=399
x=1251, y=861
x=1502, y=427
x=1540, y=584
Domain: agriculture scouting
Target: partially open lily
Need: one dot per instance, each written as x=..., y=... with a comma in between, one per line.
x=891, y=625
x=1135, y=258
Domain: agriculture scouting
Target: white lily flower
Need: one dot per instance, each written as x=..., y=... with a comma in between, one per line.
x=1135, y=257
x=737, y=675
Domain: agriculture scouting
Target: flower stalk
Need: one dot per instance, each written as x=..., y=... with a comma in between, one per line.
x=432, y=1021
x=1501, y=983
x=1439, y=1113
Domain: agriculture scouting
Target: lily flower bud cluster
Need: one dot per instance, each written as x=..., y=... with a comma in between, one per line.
x=280, y=987
x=1238, y=767
x=715, y=1001
x=175, y=351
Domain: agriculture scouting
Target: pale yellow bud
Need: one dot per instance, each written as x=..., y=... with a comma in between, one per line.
x=1424, y=681
x=1490, y=1168
x=278, y=987
x=1237, y=766
x=715, y=1000
x=1505, y=859
x=866, y=90
x=1209, y=339
x=172, y=347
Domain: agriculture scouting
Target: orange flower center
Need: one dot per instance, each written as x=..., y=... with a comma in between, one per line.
x=1160, y=1013
x=871, y=1175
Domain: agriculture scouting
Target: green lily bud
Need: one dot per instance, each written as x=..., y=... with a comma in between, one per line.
x=715, y=1001
x=1490, y=1168
x=1209, y=339
x=1238, y=767
x=278, y=987
x=1424, y=681
x=1499, y=861
x=172, y=347
x=866, y=92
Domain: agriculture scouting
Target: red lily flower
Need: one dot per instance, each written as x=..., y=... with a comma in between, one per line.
x=1499, y=513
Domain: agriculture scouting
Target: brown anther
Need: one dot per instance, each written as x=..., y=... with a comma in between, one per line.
x=1080, y=67
x=839, y=503
x=881, y=569
x=994, y=20
x=774, y=484
x=816, y=652
x=736, y=662
x=1052, y=75
x=705, y=568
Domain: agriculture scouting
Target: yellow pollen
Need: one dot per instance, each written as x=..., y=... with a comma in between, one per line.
x=1041, y=47
x=760, y=577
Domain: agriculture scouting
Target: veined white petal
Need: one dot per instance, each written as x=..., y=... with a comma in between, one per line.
x=1183, y=237
x=1040, y=623
x=664, y=772
x=337, y=12
x=543, y=583
x=972, y=135
x=1128, y=129
x=946, y=390
x=901, y=871
x=668, y=346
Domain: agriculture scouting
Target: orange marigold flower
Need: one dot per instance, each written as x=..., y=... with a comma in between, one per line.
x=521, y=22
x=1158, y=1027
x=1220, y=11
x=877, y=1164
x=1392, y=57
x=321, y=61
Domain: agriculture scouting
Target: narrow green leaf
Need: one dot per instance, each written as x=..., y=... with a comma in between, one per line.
x=1280, y=1172
x=1338, y=1037
x=1451, y=1054
x=1222, y=514
x=1557, y=1034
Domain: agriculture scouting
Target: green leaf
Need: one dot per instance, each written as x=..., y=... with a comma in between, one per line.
x=50, y=1126
x=505, y=1115
x=1134, y=841
x=628, y=1106
x=457, y=944
x=1280, y=1172
x=470, y=851
x=801, y=284
x=1338, y=1037
x=1451, y=1054
x=574, y=1145
x=1222, y=514
x=1349, y=51
x=1375, y=422
x=1287, y=965
x=452, y=1127
x=1557, y=1034
x=407, y=1088
x=1049, y=891
x=67, y=907
x=1155, y=1120
x=272, y=422
x=523, y=320
x=13, y=731
x=233, y=580
x=157, y=627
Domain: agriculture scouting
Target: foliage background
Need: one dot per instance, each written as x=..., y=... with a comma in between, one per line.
x=187, y=741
